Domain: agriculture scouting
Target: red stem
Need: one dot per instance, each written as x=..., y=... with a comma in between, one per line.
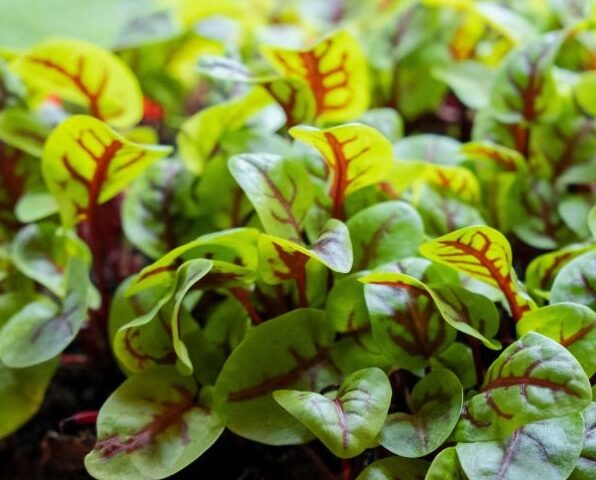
x=242, y=296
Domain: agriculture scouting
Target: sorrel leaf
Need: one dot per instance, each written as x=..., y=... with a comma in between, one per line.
x=22, y=392
x=383, y=233
x=572, y=325
x=406, y=324
x=445, y=466
x=485, y=254
x=153, y=425
x=199, y=137
x=533, y=379
x=85, y=74
x=356, y=155
x=576, y=281
x=394, y=468
x=297, y=356
x=585, y=468
x=348, y=421
x=334, y=68
x=548, y=450
x=436, y=404
x=41, y=330
x=278, y=188
x=85, y=164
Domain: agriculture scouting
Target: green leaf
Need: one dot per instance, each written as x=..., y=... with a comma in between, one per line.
x=436, y=404
x=292, y=351
x=349, y=422
x=41, y=252
x=470, y=80
x=533, y=379
x=429, y=148
x=585, y=468
x=543, y=269
x=234, y=245
x=200, y=135
x=85, y=164
x=547, y=450
x=383, y=233
x=395, y=468
x=571, y=325
x=524, y=88
x=406, y=324
x=84, y=74
x=279, y=189
x=460, y=360
x=21, y=393
x=160, y=208
x=187, y=277
x=41, y=330
x=446, y=466
x=576, y=281
x=285, y=260
x=152, y=426
x=22, y=130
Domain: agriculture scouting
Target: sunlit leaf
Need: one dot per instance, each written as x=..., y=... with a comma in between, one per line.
x=200, y=135
x=335, y=70
x=356, y=156
x=85, y=164
x=485, y=254
x=85, y=74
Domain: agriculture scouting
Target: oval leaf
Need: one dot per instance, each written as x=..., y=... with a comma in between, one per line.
x=348, y=423
x=436, y=404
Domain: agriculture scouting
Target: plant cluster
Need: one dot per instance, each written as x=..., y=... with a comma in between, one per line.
x=380, y=237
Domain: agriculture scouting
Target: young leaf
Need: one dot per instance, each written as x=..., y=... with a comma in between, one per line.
x=187, y=277
x=84, y=74
x=289, y=352
x=356, y=155
x=395, y=468
x=235, y=245
x=138, y=342
x=405, y=321
x=576, y=281
x=199, y=137
x=160, y=208
x=85, y=164
x=547, y=450
x=22, y=391
x=525, y=88
x=436, y=404
x=383, y=233
x=348, y=423
x=292, y=94
x=543, y=269
x=485, y=254
x=285, y=260
x=571, y=325
x=335, y=70
x=533, y=379
x=585, y=468
x=446, y=466
x=41, y=331
x=279, y=189
x=22, y=130
x=152, y=426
